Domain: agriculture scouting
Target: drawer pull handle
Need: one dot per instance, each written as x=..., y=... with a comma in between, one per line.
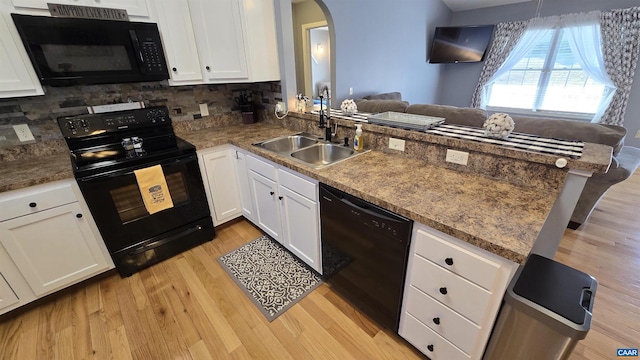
x=448, y=261
x=78, y=216
x=436, y=320
x=443, y=290
x=430, y=348
x=33, y=204
x=271, y=192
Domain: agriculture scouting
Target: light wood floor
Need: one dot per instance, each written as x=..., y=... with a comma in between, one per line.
x=188, y=308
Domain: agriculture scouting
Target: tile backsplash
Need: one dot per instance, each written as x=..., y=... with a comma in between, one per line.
x=41, y=112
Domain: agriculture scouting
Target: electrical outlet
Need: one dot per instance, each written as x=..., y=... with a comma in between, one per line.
x=457, y=157
x=280, y=107
x=396, y=144
x=637, y=134
x=23, y=132
x=204, y=110
x=350, y=91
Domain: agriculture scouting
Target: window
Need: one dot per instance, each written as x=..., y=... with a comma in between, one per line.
x=549, y=78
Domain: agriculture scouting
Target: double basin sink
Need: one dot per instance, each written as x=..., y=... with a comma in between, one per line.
x=308, y=149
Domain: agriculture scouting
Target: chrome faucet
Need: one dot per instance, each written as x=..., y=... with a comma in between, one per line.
x=322, y=124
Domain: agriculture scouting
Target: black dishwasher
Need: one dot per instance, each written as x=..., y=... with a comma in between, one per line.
x=364, y=253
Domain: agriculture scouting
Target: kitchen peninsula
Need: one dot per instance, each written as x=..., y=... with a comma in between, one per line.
x=502, y=213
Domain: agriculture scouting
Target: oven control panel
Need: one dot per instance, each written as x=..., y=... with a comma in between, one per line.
x=97, y=124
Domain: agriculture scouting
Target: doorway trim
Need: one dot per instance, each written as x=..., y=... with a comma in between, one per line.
x=306, y=54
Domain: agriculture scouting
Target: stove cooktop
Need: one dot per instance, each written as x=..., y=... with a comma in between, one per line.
x=100, y=143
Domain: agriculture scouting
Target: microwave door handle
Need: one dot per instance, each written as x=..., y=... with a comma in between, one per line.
x=136, y=46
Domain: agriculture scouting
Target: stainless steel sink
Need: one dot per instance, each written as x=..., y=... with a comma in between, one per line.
x=287, y=144
x=308, y=149
x=323, y=154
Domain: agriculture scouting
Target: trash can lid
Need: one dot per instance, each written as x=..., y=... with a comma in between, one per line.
x=559, y=288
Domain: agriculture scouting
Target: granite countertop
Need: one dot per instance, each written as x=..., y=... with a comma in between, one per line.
x=495, y=215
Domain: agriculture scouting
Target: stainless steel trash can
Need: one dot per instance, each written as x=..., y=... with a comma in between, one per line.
x=546, y=311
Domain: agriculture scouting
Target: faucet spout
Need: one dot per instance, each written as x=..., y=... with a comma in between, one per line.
x=327, y=125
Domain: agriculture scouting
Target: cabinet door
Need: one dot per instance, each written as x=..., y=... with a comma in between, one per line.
x=222, y=182
x=260, y=20
x=267, y=205
x=17, y=77
x=300, y=227
x=176, y=29
x=246, y=200
x=7, y=296
x=219, y=35
x=53, y=248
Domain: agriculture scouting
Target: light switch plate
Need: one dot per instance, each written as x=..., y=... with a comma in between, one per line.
x=638, y=134
x=204, y=110
x=396, y=144
x=23, y=132
x=457, y=157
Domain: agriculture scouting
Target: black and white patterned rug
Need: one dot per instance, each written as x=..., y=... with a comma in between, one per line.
x=273, y=278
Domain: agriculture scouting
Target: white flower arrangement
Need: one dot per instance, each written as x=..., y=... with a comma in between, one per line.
x=302, y=102
x=349, y=107
x=498, y=126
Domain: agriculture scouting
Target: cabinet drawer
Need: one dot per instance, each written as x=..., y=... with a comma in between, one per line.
x=37, y=198
x=461, y=295
x=261, y=167
x=471, y=266
x=303, y=187
x=446, y=322
x=427, y=341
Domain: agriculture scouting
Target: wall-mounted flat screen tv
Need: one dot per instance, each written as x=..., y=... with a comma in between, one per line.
x=456, y=44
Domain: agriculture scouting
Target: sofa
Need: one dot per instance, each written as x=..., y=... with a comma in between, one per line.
x=625, y=159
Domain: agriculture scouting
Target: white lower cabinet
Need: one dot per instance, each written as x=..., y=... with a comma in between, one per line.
x=48, y=242
x=299, y=211
x=7, y=296
x=267, y=204
x=246, y=200
x=286, y=208
x=452, y=295
x=221, y=183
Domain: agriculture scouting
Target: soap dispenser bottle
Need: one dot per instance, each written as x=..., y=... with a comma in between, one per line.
x=357, y=140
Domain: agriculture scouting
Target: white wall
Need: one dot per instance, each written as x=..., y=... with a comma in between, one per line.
x=320, y=62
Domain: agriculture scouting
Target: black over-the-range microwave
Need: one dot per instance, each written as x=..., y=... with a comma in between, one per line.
x=66, y=51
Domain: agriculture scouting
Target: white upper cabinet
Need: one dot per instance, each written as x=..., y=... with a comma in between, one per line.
x=218, y=41
x=133, y=7
x=260, y=20
x=179, y=42
x=17, y=77
x=219, y=32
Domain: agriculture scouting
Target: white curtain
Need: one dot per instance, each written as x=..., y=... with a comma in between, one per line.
x=505, y=38
x=536, y=30
x=583, y=34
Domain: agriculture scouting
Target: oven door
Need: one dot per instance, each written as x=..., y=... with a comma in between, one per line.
x=119, y=211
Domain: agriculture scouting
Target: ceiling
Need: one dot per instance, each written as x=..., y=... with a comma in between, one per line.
x=461, y=5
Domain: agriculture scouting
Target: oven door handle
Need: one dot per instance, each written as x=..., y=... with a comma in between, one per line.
x=130, y=170
x=158, y=243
